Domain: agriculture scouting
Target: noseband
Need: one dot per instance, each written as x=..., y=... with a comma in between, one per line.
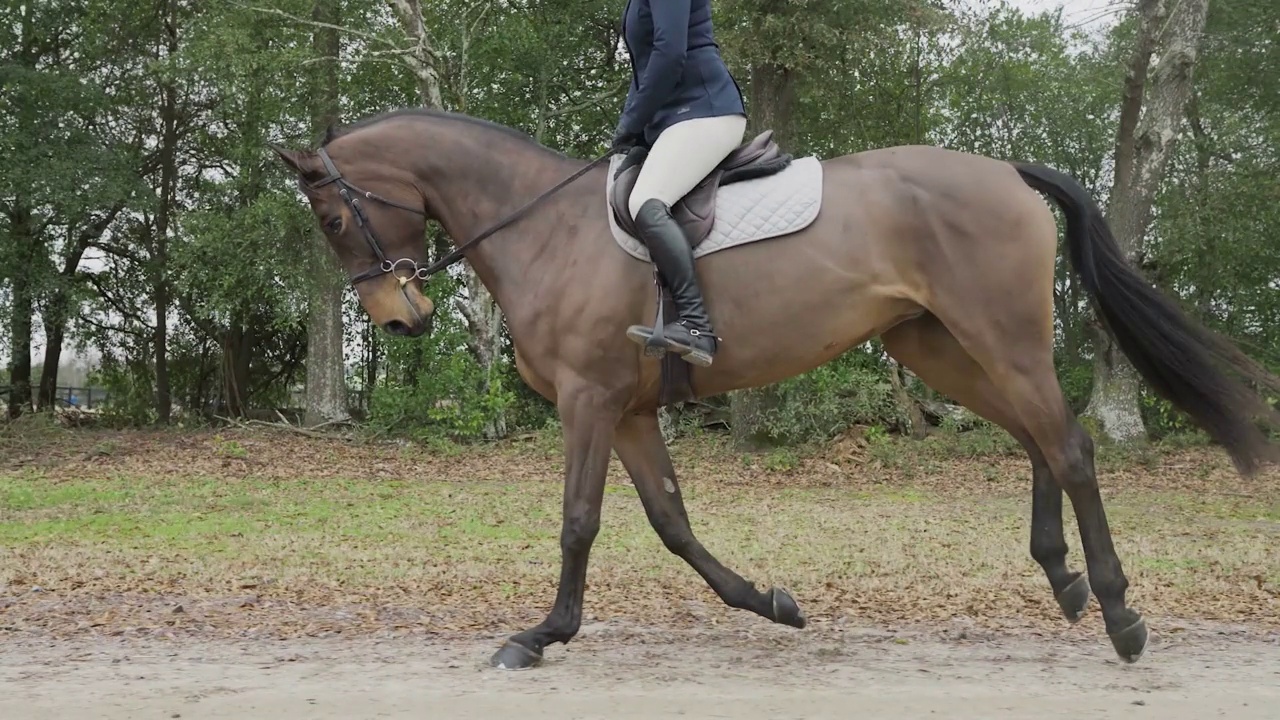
x=384, y=266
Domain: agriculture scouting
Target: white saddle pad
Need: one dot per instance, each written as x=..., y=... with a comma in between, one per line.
x=748, y=210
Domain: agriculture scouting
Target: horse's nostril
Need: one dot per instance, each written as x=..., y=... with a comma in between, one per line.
x=395, y=327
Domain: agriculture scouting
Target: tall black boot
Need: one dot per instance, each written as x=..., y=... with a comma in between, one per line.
x=691, y=336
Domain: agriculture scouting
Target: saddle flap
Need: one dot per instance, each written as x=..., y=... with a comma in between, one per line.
x=621, y=196
x=695, y=212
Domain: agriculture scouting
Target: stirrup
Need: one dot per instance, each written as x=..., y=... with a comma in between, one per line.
x=654, y=343
x=657, y=343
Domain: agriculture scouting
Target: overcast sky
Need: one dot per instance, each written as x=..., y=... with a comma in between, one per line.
x=1087, y=13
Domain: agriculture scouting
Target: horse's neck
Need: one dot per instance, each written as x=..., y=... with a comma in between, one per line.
x=482, y=186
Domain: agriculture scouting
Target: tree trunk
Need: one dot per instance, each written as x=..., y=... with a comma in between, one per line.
x=58, y=313
x=772, y=106
x=1151, y=14
x=1143, y=147
x=1114, y=400
x=421, y=59
x=164, y=217
x=237, y=344
x=484, y=329
x=326, y=372
x=918, y=426
x=372, y=355
x=23, y=310
x=54, y=336
x=481, y=313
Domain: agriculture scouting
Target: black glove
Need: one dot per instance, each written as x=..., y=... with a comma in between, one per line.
x=623, y=141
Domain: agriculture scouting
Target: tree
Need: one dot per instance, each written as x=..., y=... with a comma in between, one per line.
x=326, y=396
x=1151, y=117
x=771, y=104
x=67, y=174
x=482, y=314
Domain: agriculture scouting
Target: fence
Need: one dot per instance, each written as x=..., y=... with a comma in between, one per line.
x=82, y=398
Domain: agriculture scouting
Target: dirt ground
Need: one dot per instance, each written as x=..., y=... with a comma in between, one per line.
x=241, y=575
x=624, y=672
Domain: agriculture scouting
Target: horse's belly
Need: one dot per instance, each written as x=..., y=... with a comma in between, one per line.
x=783, y=307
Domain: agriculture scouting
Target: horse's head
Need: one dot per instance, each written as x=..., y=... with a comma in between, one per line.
x=373, y=217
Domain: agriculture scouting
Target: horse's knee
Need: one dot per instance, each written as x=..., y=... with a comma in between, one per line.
x=579, y=530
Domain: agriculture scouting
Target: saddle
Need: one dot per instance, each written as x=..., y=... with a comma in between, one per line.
x=696, y=211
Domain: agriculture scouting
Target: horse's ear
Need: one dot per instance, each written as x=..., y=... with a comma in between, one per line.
x=303, y=162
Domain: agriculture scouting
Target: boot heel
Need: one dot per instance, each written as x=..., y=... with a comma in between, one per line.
x=697, y=357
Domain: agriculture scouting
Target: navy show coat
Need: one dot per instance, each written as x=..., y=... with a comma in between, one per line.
x=677, y=72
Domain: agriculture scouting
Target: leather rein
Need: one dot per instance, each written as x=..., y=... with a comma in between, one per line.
x=350, y=193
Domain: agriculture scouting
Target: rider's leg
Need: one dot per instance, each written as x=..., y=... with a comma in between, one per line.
x=680, y=158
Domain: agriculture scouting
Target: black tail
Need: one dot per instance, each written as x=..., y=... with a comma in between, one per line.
x=1177, y=356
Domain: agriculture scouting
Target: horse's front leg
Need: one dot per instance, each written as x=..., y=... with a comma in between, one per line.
x=644, y=454
x=589, y=422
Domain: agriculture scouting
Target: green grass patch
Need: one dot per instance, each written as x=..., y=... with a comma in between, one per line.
x=896, y=544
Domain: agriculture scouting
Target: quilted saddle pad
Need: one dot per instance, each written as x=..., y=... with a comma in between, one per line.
x=747, y=210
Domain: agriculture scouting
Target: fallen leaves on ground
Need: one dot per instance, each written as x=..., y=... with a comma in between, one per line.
x=234, y=532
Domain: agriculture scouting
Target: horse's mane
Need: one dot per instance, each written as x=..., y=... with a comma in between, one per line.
x=332, y=132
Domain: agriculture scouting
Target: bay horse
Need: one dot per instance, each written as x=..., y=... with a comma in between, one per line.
x=948, y=257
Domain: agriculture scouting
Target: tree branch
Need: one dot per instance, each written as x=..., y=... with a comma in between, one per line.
x=212, y=332
x=118, y=250
x=87, y=236
x=122, y=330
x=484, y=6
x=585, y=104
x=371, y=37
x=112, y=301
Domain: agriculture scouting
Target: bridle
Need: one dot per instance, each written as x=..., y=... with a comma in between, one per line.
x=349, y=193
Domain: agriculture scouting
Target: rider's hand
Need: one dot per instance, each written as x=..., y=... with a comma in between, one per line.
x=623, y=141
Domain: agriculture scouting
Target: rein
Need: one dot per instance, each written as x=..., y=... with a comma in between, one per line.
x=423, y=273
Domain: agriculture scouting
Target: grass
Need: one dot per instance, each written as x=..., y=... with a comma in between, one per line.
x=470, y=539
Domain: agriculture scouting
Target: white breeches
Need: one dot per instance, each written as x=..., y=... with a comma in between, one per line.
x=683, y=155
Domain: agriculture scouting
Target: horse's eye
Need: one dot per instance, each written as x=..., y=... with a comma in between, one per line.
x=334, y=225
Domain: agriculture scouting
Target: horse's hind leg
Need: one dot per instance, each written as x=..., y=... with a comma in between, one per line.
x=638, y=442
x=1033, y=391
x=1004, y=322
x=926, y=347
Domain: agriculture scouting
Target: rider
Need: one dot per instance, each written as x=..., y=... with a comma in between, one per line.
x=687, y=109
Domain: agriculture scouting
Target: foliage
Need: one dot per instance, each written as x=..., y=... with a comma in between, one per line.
x=138, y=187
x=817, y=406
x=445, y=396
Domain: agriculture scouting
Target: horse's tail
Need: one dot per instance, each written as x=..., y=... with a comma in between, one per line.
x=1176, y=355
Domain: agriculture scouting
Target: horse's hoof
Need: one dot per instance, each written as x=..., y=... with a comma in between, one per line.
x=514, y=656
x=1131, y=643
x=1074, y=599
x=785, y=609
